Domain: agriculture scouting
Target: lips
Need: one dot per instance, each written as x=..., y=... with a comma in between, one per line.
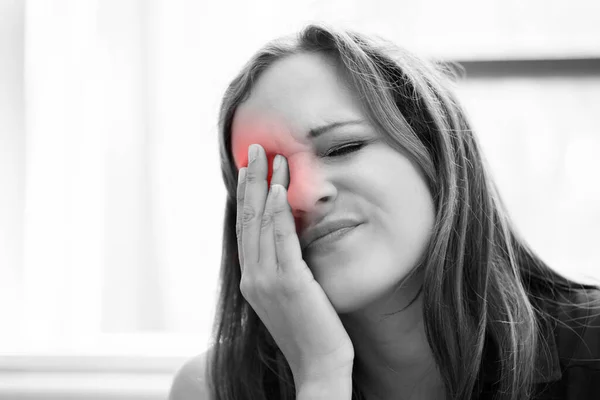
x=326, y=227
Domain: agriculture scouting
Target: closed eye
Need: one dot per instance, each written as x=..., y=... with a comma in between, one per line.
x=346, y=149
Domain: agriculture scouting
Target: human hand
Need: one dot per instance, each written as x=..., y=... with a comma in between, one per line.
x=277, y=282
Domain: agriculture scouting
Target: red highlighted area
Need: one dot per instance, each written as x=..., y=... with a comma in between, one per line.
x=276, y=137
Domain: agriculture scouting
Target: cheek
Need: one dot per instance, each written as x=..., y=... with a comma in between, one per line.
x=416, y=218
x=409, y=214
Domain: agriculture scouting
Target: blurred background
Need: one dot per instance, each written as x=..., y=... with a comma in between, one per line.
x=111, y=198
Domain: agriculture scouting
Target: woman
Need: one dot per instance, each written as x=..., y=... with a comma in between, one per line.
x=424, y=291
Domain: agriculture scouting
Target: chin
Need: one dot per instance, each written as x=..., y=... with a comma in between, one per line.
x=351, y=291
x=348, y=295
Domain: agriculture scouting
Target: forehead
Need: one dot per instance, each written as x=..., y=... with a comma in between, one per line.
x=293, y=95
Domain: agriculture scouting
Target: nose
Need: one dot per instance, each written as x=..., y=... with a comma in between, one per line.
x=308, y=191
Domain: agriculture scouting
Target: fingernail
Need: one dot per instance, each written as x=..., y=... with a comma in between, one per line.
x=277, y=161
x=253, y=152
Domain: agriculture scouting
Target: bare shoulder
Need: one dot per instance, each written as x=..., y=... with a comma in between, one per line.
x=191, y=380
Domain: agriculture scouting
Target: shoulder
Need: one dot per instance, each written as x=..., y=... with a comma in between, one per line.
x=191, y=380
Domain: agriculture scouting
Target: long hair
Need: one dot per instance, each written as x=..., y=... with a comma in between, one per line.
x=481, y=280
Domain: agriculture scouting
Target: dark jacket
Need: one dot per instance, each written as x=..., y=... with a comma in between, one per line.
x=569, y=367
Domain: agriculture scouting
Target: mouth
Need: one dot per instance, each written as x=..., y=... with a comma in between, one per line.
x=331, y=239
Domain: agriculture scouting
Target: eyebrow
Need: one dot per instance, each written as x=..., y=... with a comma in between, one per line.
x=316, y=132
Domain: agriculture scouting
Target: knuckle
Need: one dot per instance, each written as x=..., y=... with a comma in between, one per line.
x=267, y=219
x=248, y=215
x=251, y=177
x=280, y=212
x=279, y=234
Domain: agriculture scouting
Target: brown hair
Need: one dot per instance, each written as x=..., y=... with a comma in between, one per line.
x=479, y=275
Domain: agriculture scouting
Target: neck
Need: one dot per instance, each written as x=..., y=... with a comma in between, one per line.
x=392, y=355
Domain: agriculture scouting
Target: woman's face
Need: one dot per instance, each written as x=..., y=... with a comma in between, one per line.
x=374, y=184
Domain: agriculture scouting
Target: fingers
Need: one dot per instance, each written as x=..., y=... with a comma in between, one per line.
x=255, y=195
x=281, y=174
x=287, y=245
x=265, y=225
x=241, y=187
x=267, y=242
x=285, y=238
